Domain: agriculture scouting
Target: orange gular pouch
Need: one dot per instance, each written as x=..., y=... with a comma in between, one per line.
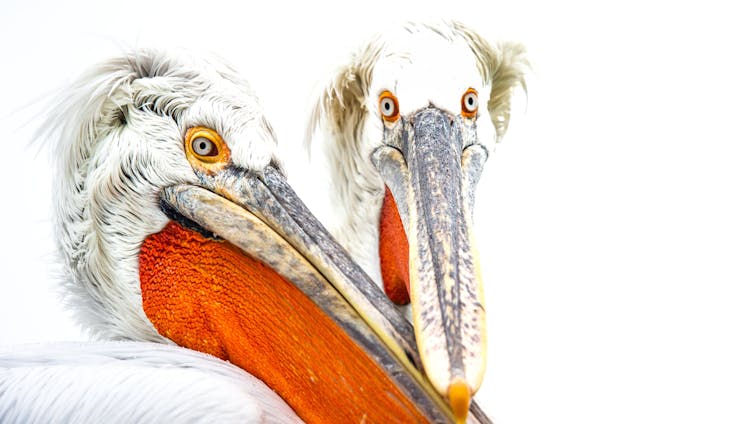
x=209, y=296
x=393, y=252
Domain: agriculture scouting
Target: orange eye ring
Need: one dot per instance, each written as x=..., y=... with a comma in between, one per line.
x=206, y=150
x=389, y=107
x=469, y=103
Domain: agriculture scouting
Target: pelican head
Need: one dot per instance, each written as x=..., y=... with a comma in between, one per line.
x=127, y=130
x=408, y=124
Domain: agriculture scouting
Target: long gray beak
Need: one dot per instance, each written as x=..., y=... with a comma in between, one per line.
x=261, y=215
x=431, y=165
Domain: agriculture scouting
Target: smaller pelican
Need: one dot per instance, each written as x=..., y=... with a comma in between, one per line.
x=406, y=127
x=176, y=225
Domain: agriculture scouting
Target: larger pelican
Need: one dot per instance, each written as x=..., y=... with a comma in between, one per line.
x=407, y=125
x=176, y=226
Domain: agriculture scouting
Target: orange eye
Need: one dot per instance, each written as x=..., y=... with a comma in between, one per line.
x=469, y=103
x=389, y=107
x=205, y=149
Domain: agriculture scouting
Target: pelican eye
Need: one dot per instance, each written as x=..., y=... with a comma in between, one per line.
x=389, y=107
x=469, y=103
x=206, y=149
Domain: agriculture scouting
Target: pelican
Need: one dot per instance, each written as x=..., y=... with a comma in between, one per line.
x=176, y=226
x=406, y=127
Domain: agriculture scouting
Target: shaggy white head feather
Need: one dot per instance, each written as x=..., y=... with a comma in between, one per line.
x=119, y=140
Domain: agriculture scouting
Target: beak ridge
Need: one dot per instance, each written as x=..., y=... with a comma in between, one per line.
x=432, y=172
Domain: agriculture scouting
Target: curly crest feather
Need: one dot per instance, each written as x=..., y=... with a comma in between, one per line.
x=118, y=135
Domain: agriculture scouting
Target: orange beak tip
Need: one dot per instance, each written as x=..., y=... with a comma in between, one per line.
x=459, y=395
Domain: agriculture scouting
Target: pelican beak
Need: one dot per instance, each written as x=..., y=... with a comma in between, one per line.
x=431, y=164
x=317, y=330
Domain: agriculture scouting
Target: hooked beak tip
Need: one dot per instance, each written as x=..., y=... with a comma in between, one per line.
x=459, y=395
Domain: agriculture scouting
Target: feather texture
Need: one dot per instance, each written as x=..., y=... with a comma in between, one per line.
x=124, y=382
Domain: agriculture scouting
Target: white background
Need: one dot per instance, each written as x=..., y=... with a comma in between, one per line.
x=616, y=220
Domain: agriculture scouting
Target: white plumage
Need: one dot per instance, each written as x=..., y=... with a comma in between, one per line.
x=123, y=382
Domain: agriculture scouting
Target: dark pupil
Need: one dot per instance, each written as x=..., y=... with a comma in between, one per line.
x=202, y=146
x=470, y=101
x=387, y=106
